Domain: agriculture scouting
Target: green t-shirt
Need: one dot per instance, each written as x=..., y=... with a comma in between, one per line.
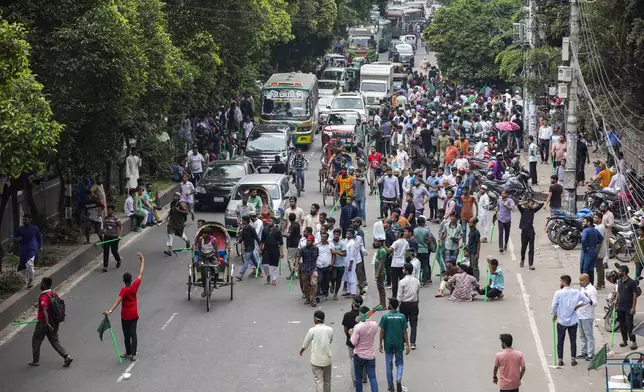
x=394, y=324
x=381, y=255
x=421, y=234
x=256, y=202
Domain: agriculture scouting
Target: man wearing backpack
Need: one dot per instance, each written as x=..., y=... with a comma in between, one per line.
x=51, y=312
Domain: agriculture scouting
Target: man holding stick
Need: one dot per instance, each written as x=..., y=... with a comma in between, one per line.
x=112, y=234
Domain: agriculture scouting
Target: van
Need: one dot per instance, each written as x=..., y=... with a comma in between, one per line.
x=376, y=83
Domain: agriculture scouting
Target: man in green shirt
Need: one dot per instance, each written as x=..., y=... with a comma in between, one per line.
x=423, y=239
x=255, y=200
x=380, y=271
x=393, y=332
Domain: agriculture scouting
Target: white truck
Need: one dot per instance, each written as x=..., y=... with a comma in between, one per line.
x=376, y=83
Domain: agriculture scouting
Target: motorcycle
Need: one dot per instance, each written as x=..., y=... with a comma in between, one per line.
x=517, y=186
x=554, y=224
x=619, y=203
x=570, y=235
x=623, y=242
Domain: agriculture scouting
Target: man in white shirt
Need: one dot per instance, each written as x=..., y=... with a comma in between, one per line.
x=195, y=164
x=564, y=307
x=248, y=126
x=323, y=264
x=408, y=289
x=482, y=210
x=188, y=195
x=128, y=208
x=377, y=120
x=545, y=134
x=413, y=260
x=617, y=181
x=258, y=225
x=406, y=185
x=461, y=162
x=586, y=315
x=320, y=337
x=479, y=150
x=399, y=248
x=402, y=156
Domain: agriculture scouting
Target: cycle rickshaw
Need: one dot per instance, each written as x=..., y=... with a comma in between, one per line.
x=327, y=182
x=211, y=267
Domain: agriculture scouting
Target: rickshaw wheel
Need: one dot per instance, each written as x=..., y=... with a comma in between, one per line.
x=208, y=288
x=237, y=245
x=320, y=179
x=324, y=196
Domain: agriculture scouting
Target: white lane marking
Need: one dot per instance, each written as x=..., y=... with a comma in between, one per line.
x=312, y=154
x=68, y=287
x=127, y=371
x=169, y=321
x=535, y=333
x=511, y=249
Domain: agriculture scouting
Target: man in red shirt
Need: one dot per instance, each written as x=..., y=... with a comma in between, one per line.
x=374, y=167
x=510, y=366
x=47, y=326
x=129, y=310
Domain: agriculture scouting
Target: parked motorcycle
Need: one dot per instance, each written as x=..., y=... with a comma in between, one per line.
x=518, y=187
x=554, y=224
x=623, y=242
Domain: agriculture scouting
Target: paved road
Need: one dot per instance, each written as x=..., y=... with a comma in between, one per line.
x=251, y=343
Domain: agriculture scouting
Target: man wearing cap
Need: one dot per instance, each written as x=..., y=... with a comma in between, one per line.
x=309, y=279
x=293, y=208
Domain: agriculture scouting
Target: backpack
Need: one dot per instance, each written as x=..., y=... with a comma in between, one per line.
x=56, y=308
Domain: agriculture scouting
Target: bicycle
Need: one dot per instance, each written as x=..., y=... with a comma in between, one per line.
x=299, y=180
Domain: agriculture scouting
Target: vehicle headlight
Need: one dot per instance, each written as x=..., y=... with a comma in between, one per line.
x=231, y=214
x=200, y=189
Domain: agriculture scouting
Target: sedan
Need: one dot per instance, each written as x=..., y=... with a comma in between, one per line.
x=213, y=190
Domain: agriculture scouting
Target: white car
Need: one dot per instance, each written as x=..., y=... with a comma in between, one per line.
x=323, y=107
x=353, y=101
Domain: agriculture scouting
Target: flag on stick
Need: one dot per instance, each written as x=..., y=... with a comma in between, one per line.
x=104, y=326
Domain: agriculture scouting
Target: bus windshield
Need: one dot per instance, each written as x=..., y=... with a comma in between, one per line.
x=284, y=104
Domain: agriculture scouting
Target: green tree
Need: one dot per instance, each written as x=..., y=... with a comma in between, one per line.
x=461, y=33
x=27, y=131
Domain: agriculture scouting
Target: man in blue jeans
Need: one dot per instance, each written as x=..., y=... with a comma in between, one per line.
x=248, y=237
x=393, y=333
x=363, y=338
x=591, y=240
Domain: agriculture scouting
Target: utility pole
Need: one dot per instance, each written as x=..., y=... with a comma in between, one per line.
x=570, y=173
x=530, y=109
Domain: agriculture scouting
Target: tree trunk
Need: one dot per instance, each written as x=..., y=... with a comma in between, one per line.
x=15, y=206
x=29, y=198
x=107, y=184
x=6, y=193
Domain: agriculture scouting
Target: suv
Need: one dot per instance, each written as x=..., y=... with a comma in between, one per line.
x=278, y=186
x=351, y=101
x=342, y=124
x=267, y=141
x=213, y=189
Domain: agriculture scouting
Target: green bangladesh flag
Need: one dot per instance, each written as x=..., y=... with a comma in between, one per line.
x=104, y=326
x=599, y=360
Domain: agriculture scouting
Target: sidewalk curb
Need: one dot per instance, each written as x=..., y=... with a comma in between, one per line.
x=23, y=300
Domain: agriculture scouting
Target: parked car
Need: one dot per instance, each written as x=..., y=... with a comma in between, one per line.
x=214, y=187
x=351, y=101
x=267, y=141
x=340, y=123
x=278, y=186
x=323, y=108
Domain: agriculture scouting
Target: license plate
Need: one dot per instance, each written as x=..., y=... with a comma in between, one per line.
x=302, y=139
x=218, y=199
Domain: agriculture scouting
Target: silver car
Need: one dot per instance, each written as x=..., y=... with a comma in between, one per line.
x=278, y=186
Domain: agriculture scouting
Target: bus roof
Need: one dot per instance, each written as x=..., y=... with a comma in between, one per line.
x=291, y=79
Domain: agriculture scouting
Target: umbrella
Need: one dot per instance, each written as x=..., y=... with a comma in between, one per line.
x=507, y=126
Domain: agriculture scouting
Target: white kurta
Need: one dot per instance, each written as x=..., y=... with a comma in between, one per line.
x=484, y=202
x=132, y=165
x=350, y=276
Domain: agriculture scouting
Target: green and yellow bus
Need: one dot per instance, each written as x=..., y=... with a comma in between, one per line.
x=291, y=98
